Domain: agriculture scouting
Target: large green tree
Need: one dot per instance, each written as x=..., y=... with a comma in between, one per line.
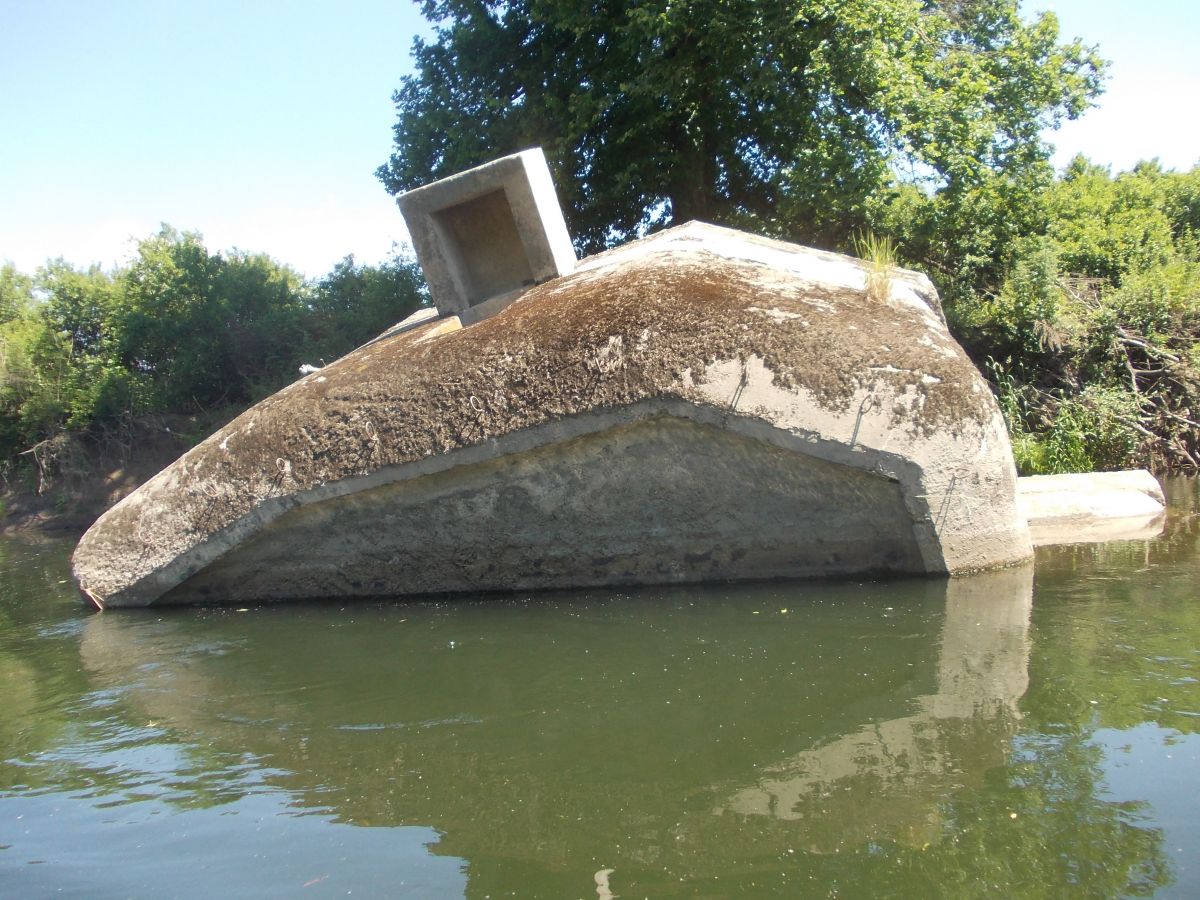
x=786, y=116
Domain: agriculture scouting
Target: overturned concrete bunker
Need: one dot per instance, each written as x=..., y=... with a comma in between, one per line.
x=702, y=404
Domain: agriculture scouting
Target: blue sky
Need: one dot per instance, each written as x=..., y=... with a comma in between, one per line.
x=1148, y=108
x=259, y=124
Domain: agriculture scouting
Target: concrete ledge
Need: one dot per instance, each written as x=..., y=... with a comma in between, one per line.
x=1092, y=506
x=429, y=316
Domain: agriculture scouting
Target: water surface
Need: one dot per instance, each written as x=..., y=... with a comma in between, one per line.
x=1027, y=733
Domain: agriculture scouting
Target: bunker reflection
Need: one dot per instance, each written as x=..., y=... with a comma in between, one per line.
x=666, y=730
x=884, y=780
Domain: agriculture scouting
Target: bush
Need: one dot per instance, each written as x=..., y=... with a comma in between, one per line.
x=180, y=330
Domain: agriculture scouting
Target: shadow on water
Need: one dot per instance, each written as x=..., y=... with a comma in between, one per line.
x=913, y=738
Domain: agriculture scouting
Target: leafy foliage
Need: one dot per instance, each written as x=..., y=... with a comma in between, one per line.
x=789, y=117
x=201, y=329
x=1093, y=329
x=180, y=330
x=16, y=293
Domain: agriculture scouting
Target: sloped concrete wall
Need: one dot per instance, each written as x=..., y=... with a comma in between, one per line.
x=655, y=501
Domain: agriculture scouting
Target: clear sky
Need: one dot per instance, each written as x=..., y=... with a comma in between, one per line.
x=1148, y=109
x=259, y=124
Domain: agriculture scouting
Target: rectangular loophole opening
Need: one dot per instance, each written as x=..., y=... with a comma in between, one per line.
x=483, y=246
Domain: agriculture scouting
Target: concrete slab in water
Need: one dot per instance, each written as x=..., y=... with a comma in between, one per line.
x=1092, y=506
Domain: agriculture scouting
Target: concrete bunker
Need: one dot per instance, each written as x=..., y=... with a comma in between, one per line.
x=703, y=404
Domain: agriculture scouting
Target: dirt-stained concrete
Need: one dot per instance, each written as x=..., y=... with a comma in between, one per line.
x=657, y=501
x=646, y=326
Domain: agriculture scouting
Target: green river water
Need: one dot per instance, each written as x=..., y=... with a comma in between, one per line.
x=1031, y=733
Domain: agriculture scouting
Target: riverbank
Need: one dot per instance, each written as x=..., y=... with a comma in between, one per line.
x=70, y=502
x=66, y=483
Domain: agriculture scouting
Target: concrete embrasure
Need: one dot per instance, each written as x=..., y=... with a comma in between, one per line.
x=485, y=235
x=700, y=366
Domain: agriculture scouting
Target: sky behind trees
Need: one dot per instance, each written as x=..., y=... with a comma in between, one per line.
x=260, y=124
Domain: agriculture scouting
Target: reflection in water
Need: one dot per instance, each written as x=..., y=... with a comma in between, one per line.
x=1135, y=528
x=885, y=779
x=580, y=733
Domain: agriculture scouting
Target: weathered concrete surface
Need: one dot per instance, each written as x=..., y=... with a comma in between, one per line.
x=603, y=414
x=659, y=499
x=1093, y=506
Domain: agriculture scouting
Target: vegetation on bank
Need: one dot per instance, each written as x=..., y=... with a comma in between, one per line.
x=1086, y=320
x=181, y=336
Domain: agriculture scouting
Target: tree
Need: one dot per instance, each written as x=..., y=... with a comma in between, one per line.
x=16, y=293
x=1108, y=227
x=78, y=304
x=204, y=329
x=786, y=116
x=355, y=303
